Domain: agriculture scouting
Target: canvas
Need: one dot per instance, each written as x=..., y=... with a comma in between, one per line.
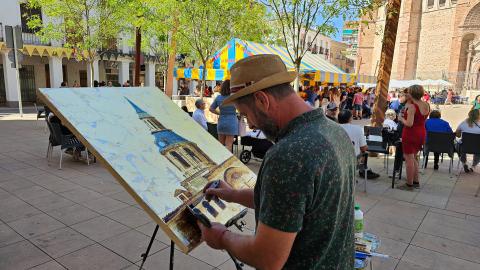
x=155, y=150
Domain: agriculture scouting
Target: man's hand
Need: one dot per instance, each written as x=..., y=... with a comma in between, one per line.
x=213, y=236
x=224, y=191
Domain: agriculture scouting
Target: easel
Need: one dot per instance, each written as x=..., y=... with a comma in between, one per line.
x=236, y=221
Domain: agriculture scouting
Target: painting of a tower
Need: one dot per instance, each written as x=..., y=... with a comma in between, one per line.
x=186, y=156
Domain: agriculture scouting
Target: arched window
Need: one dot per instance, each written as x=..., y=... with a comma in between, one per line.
x=180, y=159
x=191, y=154
x=442, y=3
x=430, y=3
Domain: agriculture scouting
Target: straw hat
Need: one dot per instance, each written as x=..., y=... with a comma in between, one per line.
x=256, y=73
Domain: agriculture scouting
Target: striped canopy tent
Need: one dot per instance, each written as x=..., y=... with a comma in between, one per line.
x=219, y=65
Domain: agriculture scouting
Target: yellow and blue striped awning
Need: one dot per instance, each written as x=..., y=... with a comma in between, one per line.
x=236, y=49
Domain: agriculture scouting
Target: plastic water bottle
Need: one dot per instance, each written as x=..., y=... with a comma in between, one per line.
x=358, y=222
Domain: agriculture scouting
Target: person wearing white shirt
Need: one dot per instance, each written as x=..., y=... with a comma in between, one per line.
x=199, y=113
x=470, y=125
x=356, y=135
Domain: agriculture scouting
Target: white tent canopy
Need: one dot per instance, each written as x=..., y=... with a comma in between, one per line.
x=408, y=83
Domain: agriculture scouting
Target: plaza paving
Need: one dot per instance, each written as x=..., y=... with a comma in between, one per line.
x=81, y=218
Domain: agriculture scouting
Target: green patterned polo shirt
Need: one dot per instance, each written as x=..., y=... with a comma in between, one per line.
x=305, y=185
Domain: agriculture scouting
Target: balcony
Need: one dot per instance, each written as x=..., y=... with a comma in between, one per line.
x=32, y=39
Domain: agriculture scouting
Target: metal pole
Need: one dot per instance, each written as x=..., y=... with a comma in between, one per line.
x=20, y=108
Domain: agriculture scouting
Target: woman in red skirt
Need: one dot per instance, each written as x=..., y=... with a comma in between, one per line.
x=414, y=133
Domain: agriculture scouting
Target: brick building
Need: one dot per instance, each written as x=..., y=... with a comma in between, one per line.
x=436, y=39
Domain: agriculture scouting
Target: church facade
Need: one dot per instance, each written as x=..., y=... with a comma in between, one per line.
x=436, y=39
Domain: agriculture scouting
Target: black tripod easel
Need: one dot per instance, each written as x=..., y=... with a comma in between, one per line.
x=236, y=221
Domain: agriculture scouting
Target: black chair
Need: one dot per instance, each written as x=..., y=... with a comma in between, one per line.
x=362, y=166
x=40, y=112
x=212, y=129
x=65, y=141
x=379, y=147
x=470, y=145
x=442, y=143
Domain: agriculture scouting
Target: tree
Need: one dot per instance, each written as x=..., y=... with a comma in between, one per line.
x=296, y=17
x=89, y=27
x=386, y=61
x=206, y=25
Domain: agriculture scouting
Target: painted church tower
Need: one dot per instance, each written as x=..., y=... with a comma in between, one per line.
x=185, y=155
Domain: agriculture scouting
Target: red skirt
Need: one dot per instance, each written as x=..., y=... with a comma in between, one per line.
x=413, y=139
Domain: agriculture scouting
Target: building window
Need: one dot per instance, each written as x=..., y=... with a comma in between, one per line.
x=430, y=3
x=191, y=154
x=454, y=2
x=180, y=159
x=442, y=3
x=26, y=13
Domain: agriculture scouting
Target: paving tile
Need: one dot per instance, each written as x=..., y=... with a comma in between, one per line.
x=21, y=255
x=51, y=265
x=148, y=229
x=14, y=209
x=100, y=228
x=130, y=216
x=447, y=213
x=61, y=242
x=401, y=195
x=406, y=265
x=59, y=186
x=384, y=264
x=35, y=225
x=67, y=173
x=14, y=165
x=31, y=192
x=73, y=214
x=228, y=265
x=473, y=210
x=104, y=205
x=446, y=246
x=93, y=257
x=50, y=202
x=7, y=176
x=15, y=184
x=131, y=245
x=393, y=248
x=389, y=231
x=81, y=194
x=434, y=260
x=431, y=200
x=458, y=223
x=366, y=202
x=8, y=236
x=209, y=255
x=123, y=196
x=28, y=172
x=160, y=260
x=404, y=215
x=107, y=188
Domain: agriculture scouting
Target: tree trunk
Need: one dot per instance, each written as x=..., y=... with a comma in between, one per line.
x=204, y=76
x=138, y=42
x=386, y=60
x=90, y=63
x=296, y=83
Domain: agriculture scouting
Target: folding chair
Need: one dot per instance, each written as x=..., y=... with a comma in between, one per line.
x=438, y=142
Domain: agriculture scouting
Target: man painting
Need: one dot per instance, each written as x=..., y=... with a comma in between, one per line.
x=303, y=198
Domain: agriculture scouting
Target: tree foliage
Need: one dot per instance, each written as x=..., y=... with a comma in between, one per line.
x=90, y=27
x=296, y=17
x=206, y=25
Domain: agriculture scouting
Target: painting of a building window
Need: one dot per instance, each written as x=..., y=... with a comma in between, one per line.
x=155, y=150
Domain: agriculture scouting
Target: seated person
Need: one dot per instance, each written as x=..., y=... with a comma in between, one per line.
x=355, y=133
x=331, y=111
x=470, y=125
x=389, y=122
x=199, y=113
x=436, y=124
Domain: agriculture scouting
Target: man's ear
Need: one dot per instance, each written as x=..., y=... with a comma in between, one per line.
x=262, y=101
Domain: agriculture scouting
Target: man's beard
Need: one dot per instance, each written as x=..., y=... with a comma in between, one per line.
x=267, y=126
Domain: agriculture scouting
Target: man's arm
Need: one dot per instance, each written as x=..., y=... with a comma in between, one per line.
x=269, y=249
